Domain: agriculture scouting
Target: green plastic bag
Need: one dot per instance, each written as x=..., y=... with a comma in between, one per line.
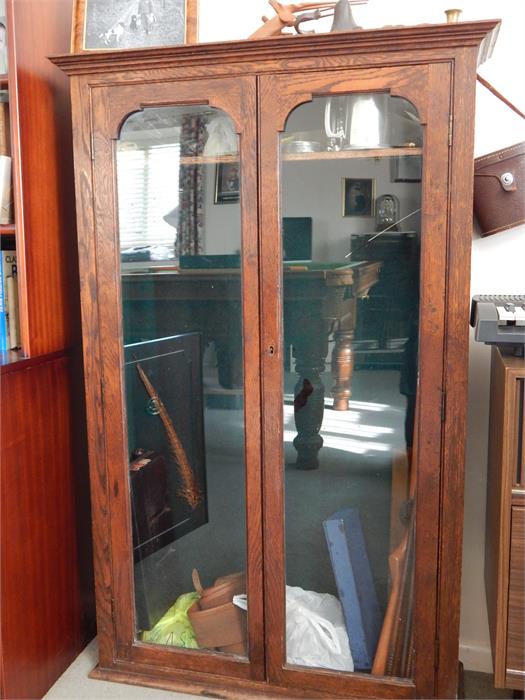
x=174, y=627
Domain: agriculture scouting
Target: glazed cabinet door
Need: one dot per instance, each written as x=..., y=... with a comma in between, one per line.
x=173, y=343
x=355, y=231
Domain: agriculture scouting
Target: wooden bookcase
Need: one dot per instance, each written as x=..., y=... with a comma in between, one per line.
x=45, y=569
x=259, y=85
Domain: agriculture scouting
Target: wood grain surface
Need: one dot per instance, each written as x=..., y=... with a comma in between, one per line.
x=47, y=590
x=516, y=610
x=312, y=52
x=497, y=531
x=43, y=625
x=43, y=175
x=456, y=361
x=501, y=551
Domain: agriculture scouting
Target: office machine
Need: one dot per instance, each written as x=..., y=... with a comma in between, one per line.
x=499, y=320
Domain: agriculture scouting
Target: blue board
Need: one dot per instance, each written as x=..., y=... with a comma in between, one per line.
x=355, y=585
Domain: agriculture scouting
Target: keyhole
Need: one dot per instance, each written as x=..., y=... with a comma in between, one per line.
x=152, y=407
x=271, y=350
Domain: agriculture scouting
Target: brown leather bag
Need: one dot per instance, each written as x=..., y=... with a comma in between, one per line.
x=499, y=183
x=499, y=189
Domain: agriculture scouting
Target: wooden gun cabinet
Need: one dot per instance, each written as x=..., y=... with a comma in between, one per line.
x=286, y=467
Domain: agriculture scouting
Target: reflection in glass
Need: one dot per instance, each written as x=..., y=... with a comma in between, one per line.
x=357, y=121
x=387, y=213
x=350, y=322
x=181, y=299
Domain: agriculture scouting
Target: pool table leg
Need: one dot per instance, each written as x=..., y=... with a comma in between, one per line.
x=342, y=368
x=309, y=401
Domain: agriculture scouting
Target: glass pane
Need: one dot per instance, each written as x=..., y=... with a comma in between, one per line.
x=180, y=235
x=350, y=202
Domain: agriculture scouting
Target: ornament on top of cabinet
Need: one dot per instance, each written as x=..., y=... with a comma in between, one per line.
x=98, y=25
x=294, y=15
x=452, y=15
x=342, y=14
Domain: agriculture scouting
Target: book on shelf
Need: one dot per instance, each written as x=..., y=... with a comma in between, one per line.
x=5, y=129
x=6, y=191
x=9, y=294
x=4, y=337
x=3, y=37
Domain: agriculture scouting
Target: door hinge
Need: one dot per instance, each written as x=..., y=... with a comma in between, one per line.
x=443, y=405
x=436, y=654
x=92, y=146
x=450, y=128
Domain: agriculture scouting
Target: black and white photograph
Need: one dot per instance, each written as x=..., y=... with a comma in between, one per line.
x=127, y=24
x=227, y=183
x=358, y=197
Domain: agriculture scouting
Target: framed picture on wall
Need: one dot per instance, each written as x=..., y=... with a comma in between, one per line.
x=358, y=197
x=132, y=24
x=227, y=183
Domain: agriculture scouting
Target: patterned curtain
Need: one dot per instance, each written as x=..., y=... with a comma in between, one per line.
x=191, y=188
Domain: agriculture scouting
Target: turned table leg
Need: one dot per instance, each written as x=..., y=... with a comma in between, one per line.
x=342, y=367
x=308, y=405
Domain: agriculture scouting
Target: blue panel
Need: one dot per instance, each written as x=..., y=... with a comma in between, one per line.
x=355, y=585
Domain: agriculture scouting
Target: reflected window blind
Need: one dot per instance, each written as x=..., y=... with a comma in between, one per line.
x=148, y=189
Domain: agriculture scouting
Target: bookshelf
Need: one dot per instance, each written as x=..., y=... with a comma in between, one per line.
x=46, y=589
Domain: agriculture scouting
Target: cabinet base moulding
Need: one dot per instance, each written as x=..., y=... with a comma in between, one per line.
x=237, y=689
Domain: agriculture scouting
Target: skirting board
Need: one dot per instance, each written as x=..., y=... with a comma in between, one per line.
x=476, y=658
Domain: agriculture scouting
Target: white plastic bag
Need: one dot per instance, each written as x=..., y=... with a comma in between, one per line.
x=315, y=629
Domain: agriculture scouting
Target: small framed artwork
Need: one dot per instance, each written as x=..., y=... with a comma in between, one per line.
x=99, y=25
x=358, y=197
x=405, y=169
x=227, y=183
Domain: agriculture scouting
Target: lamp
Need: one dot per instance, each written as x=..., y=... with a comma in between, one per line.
x=357, y=121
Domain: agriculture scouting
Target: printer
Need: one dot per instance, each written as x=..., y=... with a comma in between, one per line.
x=499, y=320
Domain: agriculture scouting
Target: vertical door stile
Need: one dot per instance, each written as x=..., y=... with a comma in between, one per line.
x=431, y=374
x=271, y=351
x=187, y=392
x=252, y=377
x=108, y=296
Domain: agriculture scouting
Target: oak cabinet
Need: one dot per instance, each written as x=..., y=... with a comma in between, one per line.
x=218, y=189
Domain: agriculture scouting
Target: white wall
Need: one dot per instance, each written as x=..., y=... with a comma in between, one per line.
x=498, y=262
